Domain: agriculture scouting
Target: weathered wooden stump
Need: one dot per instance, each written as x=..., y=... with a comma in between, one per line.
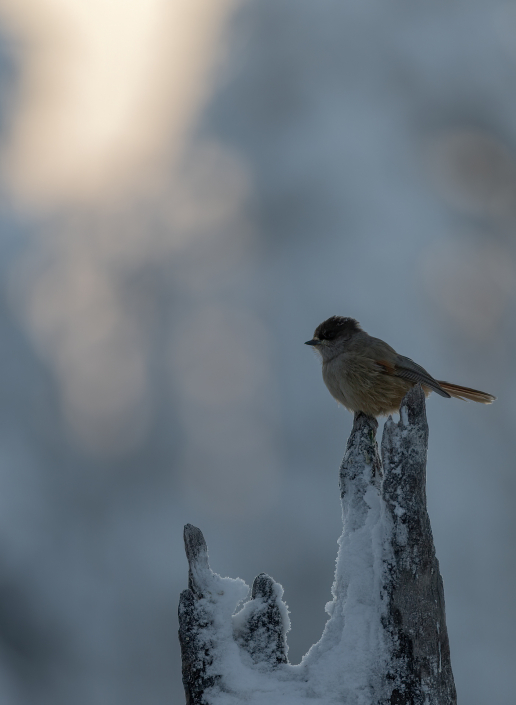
x=385, y=642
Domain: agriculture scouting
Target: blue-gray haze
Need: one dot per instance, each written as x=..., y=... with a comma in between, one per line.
x=378, y=143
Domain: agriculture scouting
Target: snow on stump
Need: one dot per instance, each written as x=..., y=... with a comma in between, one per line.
x=385, y=642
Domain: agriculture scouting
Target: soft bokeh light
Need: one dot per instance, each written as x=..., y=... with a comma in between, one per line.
x=472, y=282
x=108, y=92
x=474, y=172
x=69, y=291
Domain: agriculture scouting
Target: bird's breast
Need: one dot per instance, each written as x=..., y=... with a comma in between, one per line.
x=338, y=377
x=359, y=384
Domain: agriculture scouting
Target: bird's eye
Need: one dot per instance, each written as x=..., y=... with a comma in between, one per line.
x=329, y=334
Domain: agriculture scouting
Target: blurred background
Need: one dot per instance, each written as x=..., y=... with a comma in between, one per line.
x=187, y=189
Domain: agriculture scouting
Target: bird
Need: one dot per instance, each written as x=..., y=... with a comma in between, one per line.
x=365, y=374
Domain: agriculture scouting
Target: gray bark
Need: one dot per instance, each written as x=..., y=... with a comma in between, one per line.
x=420, y=670
x=263, y=631
x=403, y=657
x=195, y=621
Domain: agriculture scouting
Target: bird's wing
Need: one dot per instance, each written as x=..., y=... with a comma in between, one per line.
x=407, y=369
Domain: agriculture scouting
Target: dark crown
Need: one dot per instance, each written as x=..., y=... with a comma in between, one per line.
x=335, y=327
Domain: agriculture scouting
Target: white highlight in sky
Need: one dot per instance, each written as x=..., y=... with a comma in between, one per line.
x=109, y=90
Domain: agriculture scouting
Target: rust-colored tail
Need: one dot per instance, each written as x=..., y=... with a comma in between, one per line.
x=465, y=393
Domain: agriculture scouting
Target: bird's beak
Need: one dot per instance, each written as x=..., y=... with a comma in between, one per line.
x=314, y=341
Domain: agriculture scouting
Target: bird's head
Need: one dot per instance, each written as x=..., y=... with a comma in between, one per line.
x=331, y=336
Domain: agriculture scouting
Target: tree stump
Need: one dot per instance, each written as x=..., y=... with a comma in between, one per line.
x=385, y=642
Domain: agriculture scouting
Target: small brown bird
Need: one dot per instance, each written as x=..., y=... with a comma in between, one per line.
x=365, y=374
